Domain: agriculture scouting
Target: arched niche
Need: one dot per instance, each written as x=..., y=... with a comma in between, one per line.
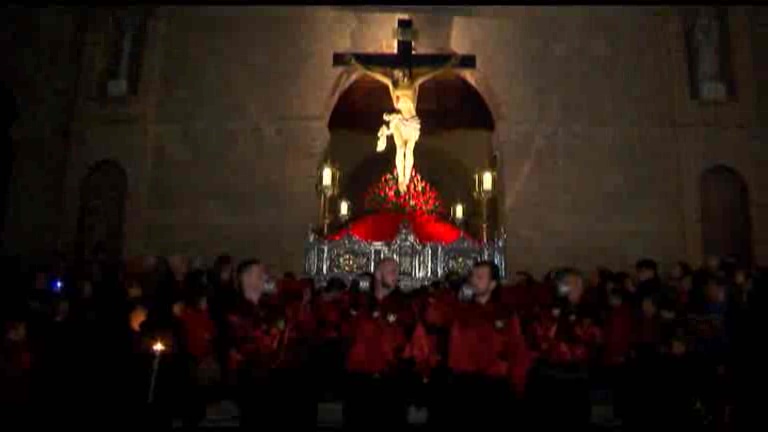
x=456, y=139
x=726, y=226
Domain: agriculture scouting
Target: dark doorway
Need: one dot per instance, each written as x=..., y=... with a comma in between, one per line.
x=725, y=214
x=101, y=220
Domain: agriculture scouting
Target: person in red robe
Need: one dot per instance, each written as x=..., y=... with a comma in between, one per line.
x=198, y=331
x=565, y=339
x=331, y=313
x=267, y=339
x=619, y=330
x=379, y=329
x=486, y=355
x=15, y=371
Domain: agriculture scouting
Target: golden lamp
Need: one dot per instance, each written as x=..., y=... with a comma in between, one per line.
x=457, y=213
x=345, y=210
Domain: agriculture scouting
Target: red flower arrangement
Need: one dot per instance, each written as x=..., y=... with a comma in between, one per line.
x=419, y=198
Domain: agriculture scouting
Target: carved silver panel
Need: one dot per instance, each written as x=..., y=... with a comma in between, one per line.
x=420, y=263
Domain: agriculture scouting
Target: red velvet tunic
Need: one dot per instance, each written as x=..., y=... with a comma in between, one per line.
x=428, y=344
x=483, y=339
x=486, y=339
x=270, y=334
x=198, y=331
x=330, y=315
x=619, y=330
x=562, y=337
x=378, y=333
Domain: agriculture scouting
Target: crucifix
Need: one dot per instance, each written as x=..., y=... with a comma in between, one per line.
x=403, y=72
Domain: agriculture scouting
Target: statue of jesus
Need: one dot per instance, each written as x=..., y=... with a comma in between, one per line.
x=403, y=124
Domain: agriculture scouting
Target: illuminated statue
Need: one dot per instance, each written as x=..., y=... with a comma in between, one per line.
x=403, y=72
x=403, y=124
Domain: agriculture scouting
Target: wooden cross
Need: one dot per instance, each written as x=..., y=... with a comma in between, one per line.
x=404, y=58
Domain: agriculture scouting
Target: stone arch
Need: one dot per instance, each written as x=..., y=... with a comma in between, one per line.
x=101, y=215
x=457, y=135
x=726, y=227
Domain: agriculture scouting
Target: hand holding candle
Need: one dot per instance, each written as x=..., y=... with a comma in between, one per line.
x=158, y=349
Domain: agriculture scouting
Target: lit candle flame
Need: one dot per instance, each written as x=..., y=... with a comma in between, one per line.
x=158, y=347
x=327, y=176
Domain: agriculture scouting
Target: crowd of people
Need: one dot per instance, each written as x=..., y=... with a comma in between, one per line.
x=470, y=350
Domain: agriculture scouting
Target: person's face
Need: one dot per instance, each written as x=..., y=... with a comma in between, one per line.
x=134, y=291
x=17, y=332
x=226, y=273
x=178, y=266
x=629, y=285
x=402, y=76
x=594, y=278
x=740, y=278
x=677, y=272
x=645, y=274
x=387, y=274
x=678, y=347
x=713, y=263
x=649, y=309
x=254, y=278
x=575, y=286
x=615, y=300
x=715, y=293
x=481, y=281
x=687, y=283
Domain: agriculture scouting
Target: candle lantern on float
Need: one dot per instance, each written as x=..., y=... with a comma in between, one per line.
x=327, y=187
x=457, y=213
x=484, y=190
x=345, y=210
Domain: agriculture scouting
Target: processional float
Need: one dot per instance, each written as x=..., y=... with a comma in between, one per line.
x=407, y=225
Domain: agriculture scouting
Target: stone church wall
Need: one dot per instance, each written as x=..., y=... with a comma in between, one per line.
x=601, y=147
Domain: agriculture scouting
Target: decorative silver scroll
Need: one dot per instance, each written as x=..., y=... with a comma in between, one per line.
x=420, y=263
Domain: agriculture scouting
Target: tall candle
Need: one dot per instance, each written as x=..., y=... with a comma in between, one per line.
x=344, y=208
x=459, y=211
x=487, y=181
x=158, y=349
x=327, y=176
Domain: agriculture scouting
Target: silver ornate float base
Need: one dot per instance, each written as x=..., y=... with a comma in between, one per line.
x=420, y=263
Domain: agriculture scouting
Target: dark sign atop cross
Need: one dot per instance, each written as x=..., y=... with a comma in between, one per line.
x=404, y=58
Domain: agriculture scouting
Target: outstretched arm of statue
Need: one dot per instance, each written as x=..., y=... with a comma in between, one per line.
x=434, y=72
x=370, y=71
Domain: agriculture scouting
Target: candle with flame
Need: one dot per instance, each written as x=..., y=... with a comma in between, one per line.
x=158, y=349
x=343, y=209
x=458, y=211
x=327, y=176
x=487, y=181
